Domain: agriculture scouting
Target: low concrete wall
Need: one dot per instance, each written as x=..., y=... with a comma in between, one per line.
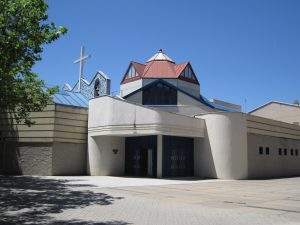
x=102, y=161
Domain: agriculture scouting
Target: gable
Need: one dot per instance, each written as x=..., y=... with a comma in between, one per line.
x=200, y=99
x=133, y=72
x=188, y=74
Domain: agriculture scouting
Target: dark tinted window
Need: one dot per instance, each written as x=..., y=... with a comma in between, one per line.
x=296, y=151
x=292, y=151
x=96, y=88
x=160, y=94
x=267, y=151
x=279, y=151
x=285, y=151
x=261, y=150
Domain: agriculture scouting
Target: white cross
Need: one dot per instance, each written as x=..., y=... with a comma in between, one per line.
x=81, y=61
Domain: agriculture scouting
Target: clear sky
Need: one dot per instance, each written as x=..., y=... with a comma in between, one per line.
x=238, y=49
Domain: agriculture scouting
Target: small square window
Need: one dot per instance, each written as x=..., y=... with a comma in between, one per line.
x=285, y=151
x=267, y=151
x=261, y=150
x=279, y=151
x=296, y=152
x=292, y=151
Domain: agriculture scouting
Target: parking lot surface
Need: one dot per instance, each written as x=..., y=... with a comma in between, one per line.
x=121, y=200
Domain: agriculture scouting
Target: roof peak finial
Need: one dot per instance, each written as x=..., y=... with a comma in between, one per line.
x=160, y=50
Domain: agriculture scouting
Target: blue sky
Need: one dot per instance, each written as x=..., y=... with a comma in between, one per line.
x=238, y=49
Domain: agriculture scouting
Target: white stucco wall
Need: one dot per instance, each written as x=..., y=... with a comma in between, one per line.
x=102, y=161
x=111, y=116
x=127, y=88
x=223, y=152
x=188, y=110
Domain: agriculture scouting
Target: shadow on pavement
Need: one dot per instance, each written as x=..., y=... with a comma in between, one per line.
x=25, y=200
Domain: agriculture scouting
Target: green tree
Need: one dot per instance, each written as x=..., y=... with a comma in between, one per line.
x=24, y=29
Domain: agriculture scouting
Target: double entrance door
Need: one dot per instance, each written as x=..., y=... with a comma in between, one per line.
x=140, y=156
x=178, y=156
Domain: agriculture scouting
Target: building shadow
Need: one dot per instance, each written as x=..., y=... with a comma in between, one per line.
x=80, y=222
x=25, y=200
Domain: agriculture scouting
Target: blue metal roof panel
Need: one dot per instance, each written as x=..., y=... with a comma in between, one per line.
x=80, y=98
x=70, y=98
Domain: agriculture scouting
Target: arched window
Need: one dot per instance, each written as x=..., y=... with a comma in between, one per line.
x=96, y=88
x=160, y=94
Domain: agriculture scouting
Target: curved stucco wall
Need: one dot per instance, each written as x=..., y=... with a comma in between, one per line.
x=102, y=161
x=226, y=142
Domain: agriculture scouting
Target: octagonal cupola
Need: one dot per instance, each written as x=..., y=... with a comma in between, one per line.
x=160, y=56
x=160, y=66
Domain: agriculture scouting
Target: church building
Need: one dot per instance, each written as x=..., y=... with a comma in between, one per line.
x=159, y=125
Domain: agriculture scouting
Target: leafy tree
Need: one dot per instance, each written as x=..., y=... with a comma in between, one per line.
x=24, y=29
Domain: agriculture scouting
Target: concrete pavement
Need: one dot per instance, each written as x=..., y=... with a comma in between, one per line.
x=113, y=200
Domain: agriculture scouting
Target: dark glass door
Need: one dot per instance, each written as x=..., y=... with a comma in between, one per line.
x=178, y=156
x=140, y=156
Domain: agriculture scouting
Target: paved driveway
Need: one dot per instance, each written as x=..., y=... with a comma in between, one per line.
x=113, y=200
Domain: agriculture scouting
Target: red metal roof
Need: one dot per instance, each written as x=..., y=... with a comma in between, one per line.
x=158, y=68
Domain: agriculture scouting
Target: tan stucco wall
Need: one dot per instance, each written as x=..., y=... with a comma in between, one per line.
x=281, y=112
x=273, y=134
x=55, y=123
x=269, y=127
x=273, y=165
x=70, y=124
x=58, y=135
